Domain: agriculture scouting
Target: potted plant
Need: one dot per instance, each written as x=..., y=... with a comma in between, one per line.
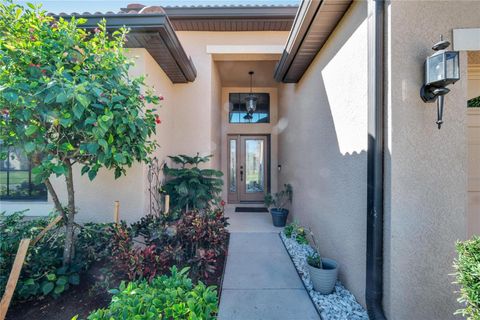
x=323, y=271
x=277, y=204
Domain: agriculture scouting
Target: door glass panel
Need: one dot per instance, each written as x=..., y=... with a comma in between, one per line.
x=233, y=166
x=254, y=166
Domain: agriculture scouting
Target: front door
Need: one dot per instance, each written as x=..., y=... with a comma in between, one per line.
x=247, y=168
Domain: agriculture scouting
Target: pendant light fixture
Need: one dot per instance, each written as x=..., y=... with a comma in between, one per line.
x=251, y=99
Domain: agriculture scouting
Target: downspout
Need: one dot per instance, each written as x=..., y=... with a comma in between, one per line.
x=375, y=180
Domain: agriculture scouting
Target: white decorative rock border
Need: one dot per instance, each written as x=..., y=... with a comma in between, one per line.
x=340, y=304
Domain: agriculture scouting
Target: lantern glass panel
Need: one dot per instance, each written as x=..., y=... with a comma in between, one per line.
x=435, y=69
x=452, y=65
x=251, y=102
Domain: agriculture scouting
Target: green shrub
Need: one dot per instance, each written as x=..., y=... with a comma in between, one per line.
x=189, y=186
x=297, y=232
x=165, y=297
x=467, y=267
x=315, y=260
x=474, y=102
x=280, y=199
x=42, y=273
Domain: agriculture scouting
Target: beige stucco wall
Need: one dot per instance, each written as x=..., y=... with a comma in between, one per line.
x=197, y=104
x=425, y=167
x=252, y=129
x=322, y=147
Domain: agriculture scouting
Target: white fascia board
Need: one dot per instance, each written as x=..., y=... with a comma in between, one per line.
x=466, y=39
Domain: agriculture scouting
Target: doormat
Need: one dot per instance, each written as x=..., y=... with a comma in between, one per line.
x=250, y=209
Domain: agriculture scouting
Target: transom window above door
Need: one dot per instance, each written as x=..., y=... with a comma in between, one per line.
x=238, y=108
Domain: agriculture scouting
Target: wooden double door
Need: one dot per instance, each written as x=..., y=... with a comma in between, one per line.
x=248, y=167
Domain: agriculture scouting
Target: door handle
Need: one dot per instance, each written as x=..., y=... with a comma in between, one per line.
x=241, y=173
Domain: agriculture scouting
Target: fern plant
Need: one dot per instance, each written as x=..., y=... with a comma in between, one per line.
x=191, y=187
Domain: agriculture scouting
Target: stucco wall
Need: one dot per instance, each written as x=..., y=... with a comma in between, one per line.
x=322, y=147
x=425, y=167
x=196, y=104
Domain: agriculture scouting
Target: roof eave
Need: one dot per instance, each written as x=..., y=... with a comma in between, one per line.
x=305, y=34
x=152, y=25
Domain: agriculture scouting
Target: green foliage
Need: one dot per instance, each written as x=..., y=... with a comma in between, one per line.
x=196, y=240
x=69, y=95
x=280, y=199
x=467, y=267
x=191, y=187
x=315, y=260
x=67, y=99
x=474, y=102
x=297, y=232
x=42, y=273
x=165, y=297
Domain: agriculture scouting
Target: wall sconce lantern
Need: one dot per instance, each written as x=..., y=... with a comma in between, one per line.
x=441, y=69
x=251, y=99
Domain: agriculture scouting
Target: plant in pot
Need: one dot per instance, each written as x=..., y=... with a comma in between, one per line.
x=323, y=271
x=277, y=204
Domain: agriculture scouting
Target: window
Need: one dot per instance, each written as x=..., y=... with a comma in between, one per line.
x=238, y=111
x=16, y=180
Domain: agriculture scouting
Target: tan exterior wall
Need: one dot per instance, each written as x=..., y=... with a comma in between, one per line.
x=322, y=147
x=425, y=191
x=197, y=104
x=256, y=129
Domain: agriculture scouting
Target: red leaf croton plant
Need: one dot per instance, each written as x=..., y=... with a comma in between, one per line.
x=68, y=99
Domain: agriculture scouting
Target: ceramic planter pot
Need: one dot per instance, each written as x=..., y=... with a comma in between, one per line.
x=324, y=279
x=279, y=217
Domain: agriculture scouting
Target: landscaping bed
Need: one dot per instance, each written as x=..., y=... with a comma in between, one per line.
x=190, y=247
x=338, y=305
x=84, y=298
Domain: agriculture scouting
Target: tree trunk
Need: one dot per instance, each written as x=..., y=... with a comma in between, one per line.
x=56, y=201
x=68, y=251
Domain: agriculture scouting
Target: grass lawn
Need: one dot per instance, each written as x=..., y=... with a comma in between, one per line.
x=16, y=177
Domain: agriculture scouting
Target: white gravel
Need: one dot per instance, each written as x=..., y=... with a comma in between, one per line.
x=341, y=304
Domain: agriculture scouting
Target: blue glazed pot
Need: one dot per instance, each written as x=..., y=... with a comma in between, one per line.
x=279, y=217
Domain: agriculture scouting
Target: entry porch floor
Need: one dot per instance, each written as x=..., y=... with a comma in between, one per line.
x=260, y=280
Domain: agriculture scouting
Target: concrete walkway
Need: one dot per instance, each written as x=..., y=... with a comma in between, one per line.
x=260, y=280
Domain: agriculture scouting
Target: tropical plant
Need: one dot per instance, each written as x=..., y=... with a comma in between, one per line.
x=474, y=102
x=196, y=240
x=280, y=199
x=42, y=273
x=467, y=274
x=165, y=297
x=191, y=187
x=68, y=99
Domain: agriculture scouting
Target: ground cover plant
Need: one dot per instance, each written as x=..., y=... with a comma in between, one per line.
x=43, y=273
x=467, y=274
x=164, y=297
x=294, y=230
x=67, y=99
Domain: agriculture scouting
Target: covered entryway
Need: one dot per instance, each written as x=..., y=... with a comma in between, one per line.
x=248, y=171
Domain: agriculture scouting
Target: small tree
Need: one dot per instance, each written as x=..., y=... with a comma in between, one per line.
x=68, y=100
